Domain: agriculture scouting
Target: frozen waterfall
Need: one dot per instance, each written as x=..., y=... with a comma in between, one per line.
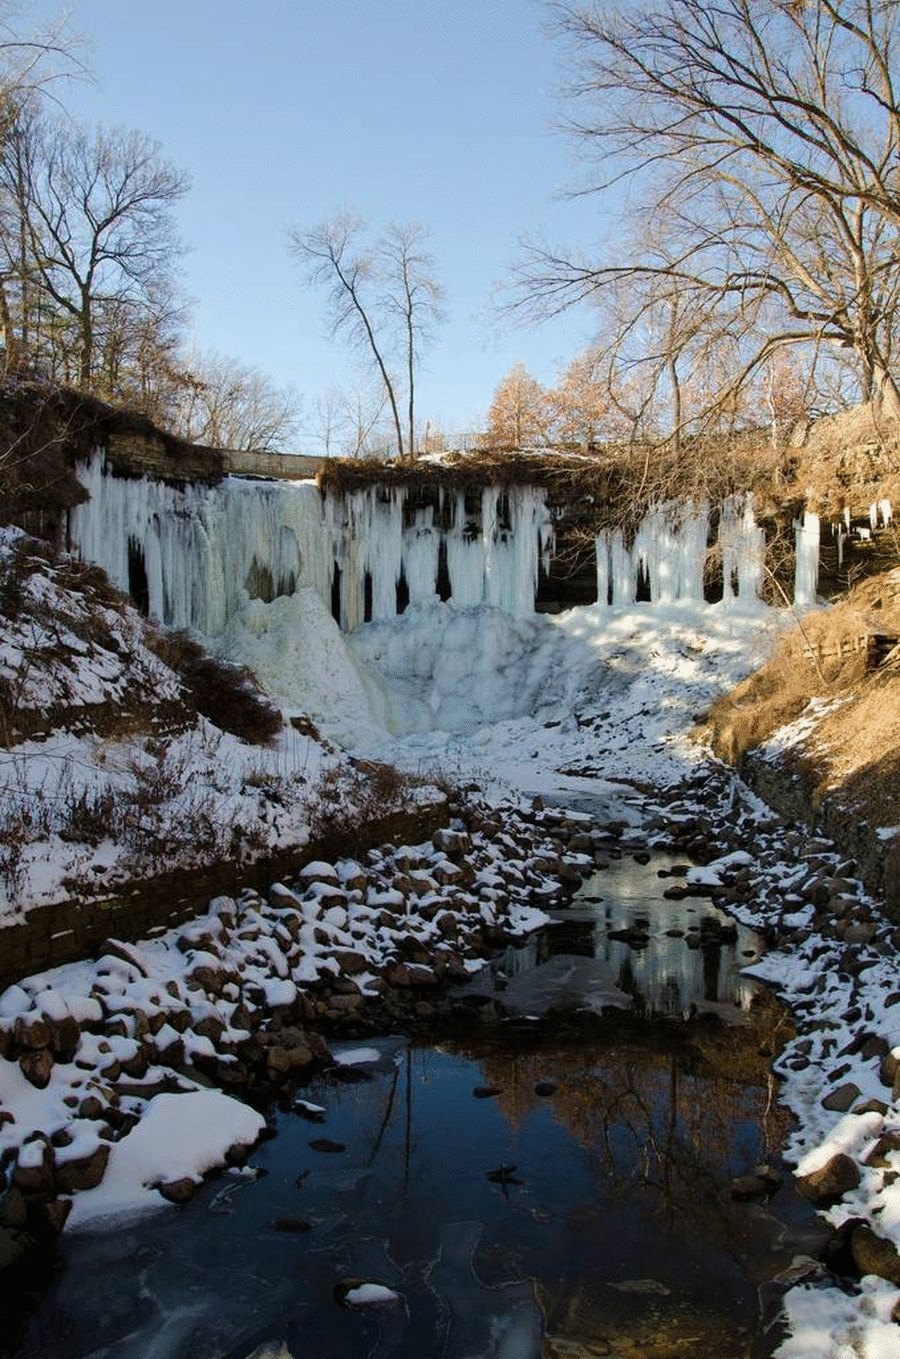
x=667, y=557
x=195, y=555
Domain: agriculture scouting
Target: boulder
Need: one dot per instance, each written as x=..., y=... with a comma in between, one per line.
x=840, y=1099
x=34, y=1174
x=31, y=1031
x=83, y=1172
x=872, y=1254
x=281, y=1061
x=178, y=1191
x=455, y=844
x=830, y=1182
x=37, y=1067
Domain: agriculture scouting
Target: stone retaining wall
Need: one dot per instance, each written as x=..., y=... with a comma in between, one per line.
x=784, y=787
x=77, y=927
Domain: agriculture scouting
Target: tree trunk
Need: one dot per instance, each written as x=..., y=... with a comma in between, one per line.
x=86, y=357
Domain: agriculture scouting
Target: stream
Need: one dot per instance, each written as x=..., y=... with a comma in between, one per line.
x=538, y=1189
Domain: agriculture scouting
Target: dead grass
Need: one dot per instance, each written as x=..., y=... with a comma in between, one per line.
x=226, y=694
x=849, y=459
x=852, y=753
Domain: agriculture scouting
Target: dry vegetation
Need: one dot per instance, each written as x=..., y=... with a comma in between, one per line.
x=847, y=659
x=615, y=483
x=228, y=695
x=847, y=460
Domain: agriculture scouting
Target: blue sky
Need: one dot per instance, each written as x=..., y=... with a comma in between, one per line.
x=283, y=112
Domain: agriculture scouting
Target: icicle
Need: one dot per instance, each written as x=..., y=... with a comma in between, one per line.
x=671, y=546
x=806, y=569
x=886, y=512
x=743, y=546
x=873, y=515
x=622, y=570
x=847, y=518
x=604, y=568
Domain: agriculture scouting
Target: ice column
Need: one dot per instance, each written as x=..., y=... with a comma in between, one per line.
x=743, y=545
x=806, y=558
x=670, y=547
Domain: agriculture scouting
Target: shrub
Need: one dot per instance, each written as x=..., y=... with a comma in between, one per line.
x=224, y=693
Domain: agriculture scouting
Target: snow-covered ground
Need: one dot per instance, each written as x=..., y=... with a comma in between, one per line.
x=595, y=704
x=107, y=769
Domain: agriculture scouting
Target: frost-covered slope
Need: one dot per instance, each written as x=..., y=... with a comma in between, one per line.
x=107, y=767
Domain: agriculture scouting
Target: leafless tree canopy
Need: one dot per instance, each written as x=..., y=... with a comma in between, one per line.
x=227, y=404
x=89, y=228
x=383, y=295
x=759, y=144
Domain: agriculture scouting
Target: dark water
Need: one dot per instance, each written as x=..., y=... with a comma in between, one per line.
x=610, y=1231
x=621, y=1232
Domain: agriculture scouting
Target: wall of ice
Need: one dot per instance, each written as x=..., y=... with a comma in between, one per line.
x=666, y=559
x=196, y=555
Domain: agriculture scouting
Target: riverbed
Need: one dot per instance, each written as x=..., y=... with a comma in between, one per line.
x=560, y=1183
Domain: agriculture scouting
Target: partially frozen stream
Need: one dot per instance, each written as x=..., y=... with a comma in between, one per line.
x=525, y=1195
x=616, y=1225
x=623, y=944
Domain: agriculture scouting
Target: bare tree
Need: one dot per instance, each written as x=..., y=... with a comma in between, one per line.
x=228, y=404
x=762, y=142
x=96, y=224
x=32, y=63
x=413, y=296
x=350, y=423
x=382, y=295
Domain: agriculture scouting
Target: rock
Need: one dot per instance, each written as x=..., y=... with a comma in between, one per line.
x=840, y=1100
x=291, y=1224
x=37, y=1067
x=871, y=1106
x=831, y=1182
x=34, y=1178
x=31, y=1031
x=351, y=962
x=13, y=1210
x=863, y=933
x=747, y=1187
x=280, y=1061
x=177, y=1191
x=325, y=1144
x=486, y=1091
x=872, y=1254
x=210, y=1026
x=887, y=1142
x=85, y=1172
x=889, y=1068
x=455, y=844
x=65, y=1035
x=546, y=1088
x=11, y=1248
x=54, y=1214
x=319, y=871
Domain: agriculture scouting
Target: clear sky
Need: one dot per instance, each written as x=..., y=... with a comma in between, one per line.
x=283, y=112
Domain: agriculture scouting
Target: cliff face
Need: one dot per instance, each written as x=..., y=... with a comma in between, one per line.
x=45, y=430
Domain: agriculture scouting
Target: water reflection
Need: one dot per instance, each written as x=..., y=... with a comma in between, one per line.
x=645, y=952
x=620, y=1230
